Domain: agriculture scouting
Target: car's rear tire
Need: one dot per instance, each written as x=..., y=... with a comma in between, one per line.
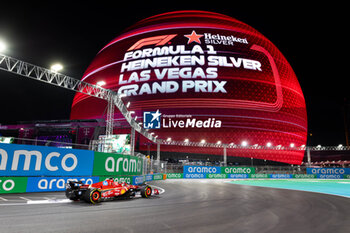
x=92, y=196
x=146, y=191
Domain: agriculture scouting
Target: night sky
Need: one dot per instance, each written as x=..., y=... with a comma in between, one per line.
x=311, y=37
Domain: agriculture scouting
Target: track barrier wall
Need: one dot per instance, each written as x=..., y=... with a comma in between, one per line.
x=202, y=172
x=25, y=160
x=25, y=168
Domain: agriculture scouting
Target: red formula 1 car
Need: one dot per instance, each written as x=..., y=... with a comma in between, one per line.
x=104, y=190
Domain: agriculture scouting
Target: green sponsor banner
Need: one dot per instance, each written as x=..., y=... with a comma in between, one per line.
x=216, y=176
x=13, y=184
x=305, y=176
x=174, y=175
x=346, y=176
x=237, y=170
x=116, y=164
x=158, y=176
x=259, y=176
x=119, y=179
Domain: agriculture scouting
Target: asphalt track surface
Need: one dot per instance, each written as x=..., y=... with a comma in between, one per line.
x=185, y=206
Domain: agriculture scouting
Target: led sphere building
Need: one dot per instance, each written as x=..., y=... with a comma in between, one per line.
x=203, y=76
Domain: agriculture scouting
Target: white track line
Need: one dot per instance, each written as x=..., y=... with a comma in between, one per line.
x=26, y=199
x=3, y=199
x=30, y=202
x=50, y=201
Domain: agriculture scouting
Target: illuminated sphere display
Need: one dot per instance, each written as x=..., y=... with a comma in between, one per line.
x=195, y=75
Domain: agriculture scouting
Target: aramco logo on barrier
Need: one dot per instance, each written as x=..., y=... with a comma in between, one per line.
x=123, y=165
x=38, y=157
x=24, y=160
x=40, y=184
x=7, y=185
x=13, y=184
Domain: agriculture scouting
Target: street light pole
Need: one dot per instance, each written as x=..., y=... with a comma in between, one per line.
x=308, y=156
x=225, y=155
x=158, y=151
x=132, y=144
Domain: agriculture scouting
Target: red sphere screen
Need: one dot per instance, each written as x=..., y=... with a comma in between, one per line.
x=207, y=77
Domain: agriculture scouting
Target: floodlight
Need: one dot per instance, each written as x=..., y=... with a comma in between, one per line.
x=244, y=143
x=3, y=46
x=56, y=67
x=101, y=83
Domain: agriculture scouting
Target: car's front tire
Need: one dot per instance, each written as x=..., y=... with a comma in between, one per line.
x=146, y=191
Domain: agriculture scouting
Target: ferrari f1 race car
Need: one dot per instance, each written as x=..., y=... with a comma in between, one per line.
x=105, y=190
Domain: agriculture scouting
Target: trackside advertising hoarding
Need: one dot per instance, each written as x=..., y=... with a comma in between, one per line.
x=281, y=176
x=174, y=175
x=199, y=172
x=48, y=184
x=328, y=171
x=13, y=184
x=304, y=176
x=116, y=164
x=136, y=180
x=24, y=160
x=216, y=176
x=237, y=170
x=159, y=176
x=259, y=176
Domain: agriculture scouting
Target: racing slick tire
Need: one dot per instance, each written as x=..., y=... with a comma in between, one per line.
x=92, y=196
x=146, y=191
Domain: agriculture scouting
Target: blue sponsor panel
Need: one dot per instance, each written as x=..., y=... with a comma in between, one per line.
x=336, y=176
x=48, y=184
x=149, y=178
x=194, y=176
x=238, y=176
x=328, y=171
x=24, y=160
x=136, y=180
x=281, y=176
x=201, y=170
